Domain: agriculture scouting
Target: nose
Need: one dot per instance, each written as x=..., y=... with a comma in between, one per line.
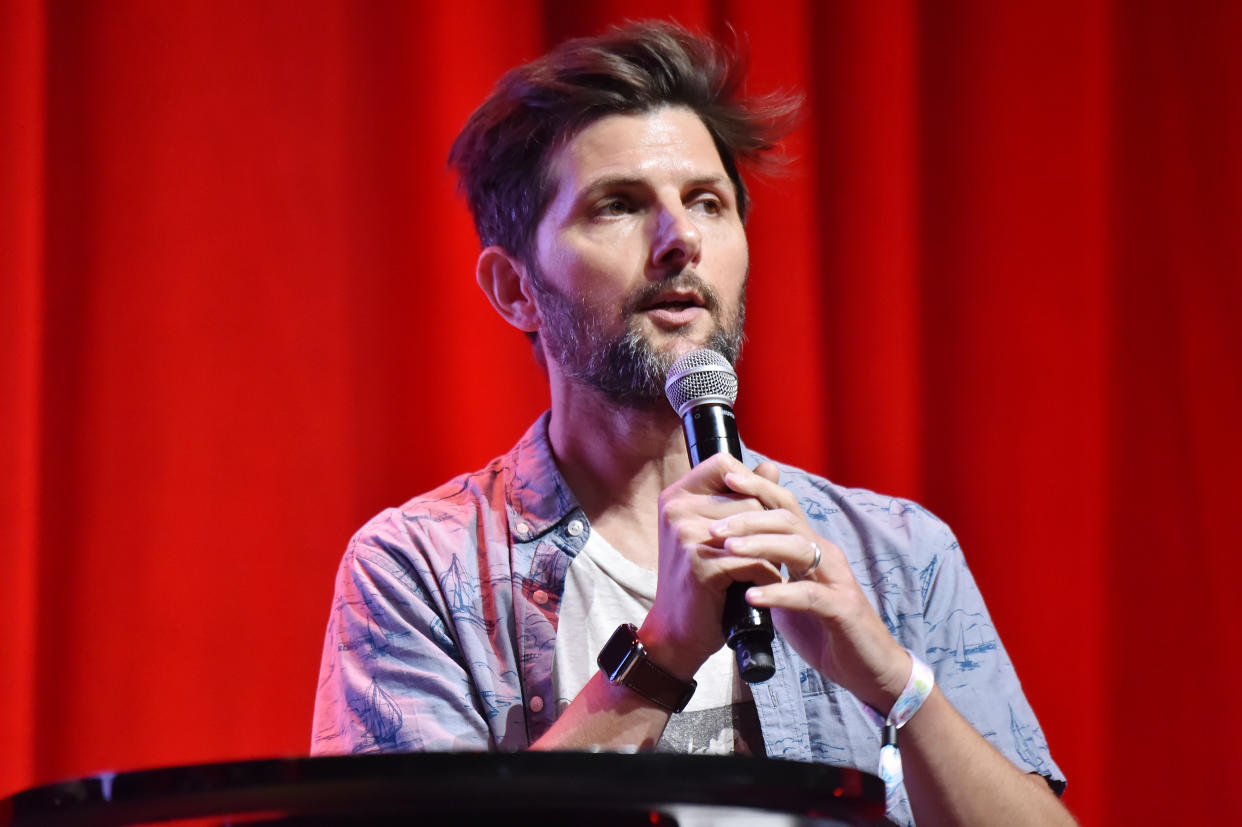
x=678, y=241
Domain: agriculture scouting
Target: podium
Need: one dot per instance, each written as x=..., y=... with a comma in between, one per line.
x=531, y=788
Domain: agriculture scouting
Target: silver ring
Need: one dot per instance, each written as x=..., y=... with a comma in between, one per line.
x=819, y=555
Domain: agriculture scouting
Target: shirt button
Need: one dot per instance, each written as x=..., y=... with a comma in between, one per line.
x=523, y=529
x=540, y=597
x=536, y=703
x=575, y=528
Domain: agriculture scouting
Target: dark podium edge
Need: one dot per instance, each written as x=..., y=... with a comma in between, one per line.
x=531, y=787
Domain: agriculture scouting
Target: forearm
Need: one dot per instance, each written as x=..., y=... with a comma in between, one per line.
x=608, y=717
x=955, y=777
x=617, y=717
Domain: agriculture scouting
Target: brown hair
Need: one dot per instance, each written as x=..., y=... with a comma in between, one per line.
x=501, y=154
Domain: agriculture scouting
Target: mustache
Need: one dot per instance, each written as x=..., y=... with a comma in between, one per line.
x=685, y=281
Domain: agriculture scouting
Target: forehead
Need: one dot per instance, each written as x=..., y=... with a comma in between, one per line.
x=661, y=146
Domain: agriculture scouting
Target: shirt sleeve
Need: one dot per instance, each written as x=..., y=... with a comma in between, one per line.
x=391, y=678
x=971, y=664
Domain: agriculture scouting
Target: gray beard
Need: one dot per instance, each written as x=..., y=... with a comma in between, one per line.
x=626, y=368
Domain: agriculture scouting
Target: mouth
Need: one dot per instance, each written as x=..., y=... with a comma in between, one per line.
x=674, y=302
x=673, y=313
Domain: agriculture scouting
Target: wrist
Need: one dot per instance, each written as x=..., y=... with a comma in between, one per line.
x=895, y=707
x=894, y=682
x=669, y=653
x=916, y=690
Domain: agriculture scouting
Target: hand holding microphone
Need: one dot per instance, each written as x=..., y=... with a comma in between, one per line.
x=827, y=619
x=702, y=387
x=823, y=612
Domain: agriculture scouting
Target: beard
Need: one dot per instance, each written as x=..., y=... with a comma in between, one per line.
x=627, y=367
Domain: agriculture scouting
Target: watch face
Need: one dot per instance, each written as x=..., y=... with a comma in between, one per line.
x=618, y=648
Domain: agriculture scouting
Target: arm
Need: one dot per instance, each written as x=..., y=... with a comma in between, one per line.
x=603, y=715
x=390, y=679
x=952, y=774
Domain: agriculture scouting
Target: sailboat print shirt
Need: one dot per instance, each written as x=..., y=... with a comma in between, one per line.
x=443, y=624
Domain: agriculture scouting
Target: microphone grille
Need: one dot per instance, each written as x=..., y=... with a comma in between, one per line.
x=700, y=377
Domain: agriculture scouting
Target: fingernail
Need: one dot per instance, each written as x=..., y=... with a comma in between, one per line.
x=754, y=593
x=720, y=528
x=737, y=545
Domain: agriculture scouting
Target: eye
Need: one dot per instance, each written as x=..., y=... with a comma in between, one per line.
x=708, y=205
x=613, y=207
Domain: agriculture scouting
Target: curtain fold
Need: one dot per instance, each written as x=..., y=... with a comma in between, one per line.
x=1175, y=396
x=22, y=107
x=1001, y=275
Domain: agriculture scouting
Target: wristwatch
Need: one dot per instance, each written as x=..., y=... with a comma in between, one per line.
x=624, y=662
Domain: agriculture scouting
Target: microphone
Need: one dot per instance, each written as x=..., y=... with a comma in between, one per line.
x=702, y=387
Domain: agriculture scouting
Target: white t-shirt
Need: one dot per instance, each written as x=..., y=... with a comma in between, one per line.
x=603, y=590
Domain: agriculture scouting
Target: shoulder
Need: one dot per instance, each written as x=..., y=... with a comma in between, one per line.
x=451, y=516
x=468, y=523
x=456, y=509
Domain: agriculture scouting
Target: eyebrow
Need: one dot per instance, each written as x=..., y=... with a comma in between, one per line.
x=620, y=182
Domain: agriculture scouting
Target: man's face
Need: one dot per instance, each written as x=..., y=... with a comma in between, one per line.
x=641, y=256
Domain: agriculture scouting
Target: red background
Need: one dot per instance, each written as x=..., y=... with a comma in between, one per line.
x=237, y=318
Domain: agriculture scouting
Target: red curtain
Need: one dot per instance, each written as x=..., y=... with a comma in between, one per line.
x=237, y=317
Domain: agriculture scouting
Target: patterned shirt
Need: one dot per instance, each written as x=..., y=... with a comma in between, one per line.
x=443, y=625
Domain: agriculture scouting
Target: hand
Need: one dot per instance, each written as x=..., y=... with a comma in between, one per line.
x=825, y=616
x=683, y=627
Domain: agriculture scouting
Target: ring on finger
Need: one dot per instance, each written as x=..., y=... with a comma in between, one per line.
x=819, y=555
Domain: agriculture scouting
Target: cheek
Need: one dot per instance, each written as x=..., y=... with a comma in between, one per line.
x=733, y=256
x=603, y=266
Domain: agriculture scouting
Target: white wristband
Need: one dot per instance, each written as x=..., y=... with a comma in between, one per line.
x=911, y=698
x=917, y=688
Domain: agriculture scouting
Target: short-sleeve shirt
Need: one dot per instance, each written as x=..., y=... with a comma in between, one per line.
x=443, y=625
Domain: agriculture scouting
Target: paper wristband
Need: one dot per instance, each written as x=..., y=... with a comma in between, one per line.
x=918, y=687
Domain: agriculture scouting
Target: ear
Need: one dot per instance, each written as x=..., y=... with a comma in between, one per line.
x=503, y=279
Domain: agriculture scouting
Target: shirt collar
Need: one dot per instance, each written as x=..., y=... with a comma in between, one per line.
x=537, y=495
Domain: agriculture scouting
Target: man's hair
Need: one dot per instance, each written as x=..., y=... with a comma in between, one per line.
x=502, y=153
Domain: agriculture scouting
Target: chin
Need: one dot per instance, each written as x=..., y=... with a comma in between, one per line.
x=679, y=347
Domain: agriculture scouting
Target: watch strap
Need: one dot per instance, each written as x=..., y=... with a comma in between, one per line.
x=624, y=662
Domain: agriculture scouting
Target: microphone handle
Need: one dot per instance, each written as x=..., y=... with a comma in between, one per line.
x=712, y=429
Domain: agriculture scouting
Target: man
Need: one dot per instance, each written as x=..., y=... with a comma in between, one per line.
x=604, y=180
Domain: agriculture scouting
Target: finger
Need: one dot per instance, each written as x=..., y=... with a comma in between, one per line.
x=743, y=570
x=708, y=477
x=708, y=509
x=765, y=490
x=770, y=471
x=756, y=521
x=794, y=595
x=703, y=494
x=800, y=556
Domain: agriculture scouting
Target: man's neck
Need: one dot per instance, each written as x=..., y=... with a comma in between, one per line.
x=617, y=459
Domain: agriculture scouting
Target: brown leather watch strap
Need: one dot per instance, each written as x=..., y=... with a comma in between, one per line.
x=625, y=663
